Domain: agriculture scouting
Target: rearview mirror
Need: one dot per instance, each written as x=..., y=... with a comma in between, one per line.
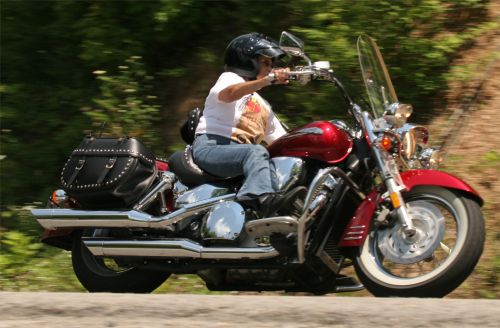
x=291, y=44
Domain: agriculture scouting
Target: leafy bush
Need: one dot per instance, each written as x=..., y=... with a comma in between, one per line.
x=125, y=104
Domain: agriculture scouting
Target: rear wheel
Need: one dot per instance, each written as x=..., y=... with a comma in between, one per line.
x=445, y=250
x=107, y=275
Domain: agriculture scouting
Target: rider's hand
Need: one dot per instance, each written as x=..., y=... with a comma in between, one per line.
x=281, y=75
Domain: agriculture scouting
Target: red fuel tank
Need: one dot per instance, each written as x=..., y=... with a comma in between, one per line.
x=321, y=140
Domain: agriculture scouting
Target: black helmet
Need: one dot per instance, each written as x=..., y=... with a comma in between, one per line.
x=241, y=53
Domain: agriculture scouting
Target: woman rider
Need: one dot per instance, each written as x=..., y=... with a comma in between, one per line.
x=236, y=119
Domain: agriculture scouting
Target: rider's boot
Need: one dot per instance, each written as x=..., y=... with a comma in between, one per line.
x=288, y=203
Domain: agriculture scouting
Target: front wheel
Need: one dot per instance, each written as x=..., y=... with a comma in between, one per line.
x=442, y=254
x=106, y=275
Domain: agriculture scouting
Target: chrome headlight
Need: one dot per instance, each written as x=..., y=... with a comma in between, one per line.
x=414, y=138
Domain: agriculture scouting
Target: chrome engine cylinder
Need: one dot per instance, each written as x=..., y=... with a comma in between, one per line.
x=224, y=222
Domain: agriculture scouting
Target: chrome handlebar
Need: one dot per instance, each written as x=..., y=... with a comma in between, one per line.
x=304, y=75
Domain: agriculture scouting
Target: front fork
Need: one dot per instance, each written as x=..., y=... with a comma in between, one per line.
x=393, y=188
x=399, y=205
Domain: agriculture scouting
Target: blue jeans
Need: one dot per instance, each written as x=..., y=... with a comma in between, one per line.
x=225, y=158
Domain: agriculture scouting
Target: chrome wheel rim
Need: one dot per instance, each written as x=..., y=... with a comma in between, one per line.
x=429, y=223
x=393, y=273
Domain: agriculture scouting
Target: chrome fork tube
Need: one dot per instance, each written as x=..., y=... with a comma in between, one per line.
x=392, y=187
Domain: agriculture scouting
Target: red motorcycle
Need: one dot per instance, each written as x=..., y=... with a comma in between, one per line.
x=371, y=197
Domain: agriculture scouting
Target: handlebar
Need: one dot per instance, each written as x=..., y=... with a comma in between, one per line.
x=306, y=74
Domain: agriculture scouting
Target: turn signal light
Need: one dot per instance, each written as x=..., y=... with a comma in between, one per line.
x=386, y=142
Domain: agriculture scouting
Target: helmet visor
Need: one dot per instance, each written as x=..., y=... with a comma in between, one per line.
x=274, y=53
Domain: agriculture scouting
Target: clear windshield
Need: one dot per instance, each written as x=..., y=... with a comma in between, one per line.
x=377, y=80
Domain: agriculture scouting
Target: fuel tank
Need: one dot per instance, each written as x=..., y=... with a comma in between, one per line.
x=321, y=140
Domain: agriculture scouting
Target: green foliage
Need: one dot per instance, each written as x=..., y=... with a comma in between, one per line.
x=490, y=159
x=416, y=39
x=125, y=102
x=27, y=264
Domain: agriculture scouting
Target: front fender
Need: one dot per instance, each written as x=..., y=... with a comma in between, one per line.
x=413, y=178
x=358, y=227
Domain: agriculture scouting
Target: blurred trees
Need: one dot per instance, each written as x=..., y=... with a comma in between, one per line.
x=50, y=50
x=161, y=57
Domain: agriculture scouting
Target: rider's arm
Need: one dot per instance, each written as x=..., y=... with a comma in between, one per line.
x=236, y=91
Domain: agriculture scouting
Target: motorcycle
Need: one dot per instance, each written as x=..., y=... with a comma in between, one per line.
x=371, y=197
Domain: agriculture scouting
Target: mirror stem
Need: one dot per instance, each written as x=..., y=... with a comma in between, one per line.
x=342, y=89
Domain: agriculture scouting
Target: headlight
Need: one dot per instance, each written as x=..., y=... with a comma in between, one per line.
x=414, y=137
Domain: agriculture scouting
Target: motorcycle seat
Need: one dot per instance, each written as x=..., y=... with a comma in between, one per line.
x=184, y=167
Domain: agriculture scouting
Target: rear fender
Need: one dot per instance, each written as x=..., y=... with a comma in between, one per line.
x=357, y=229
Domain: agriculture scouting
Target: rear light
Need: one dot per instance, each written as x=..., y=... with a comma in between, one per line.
x=59, y=197
x=162, y=166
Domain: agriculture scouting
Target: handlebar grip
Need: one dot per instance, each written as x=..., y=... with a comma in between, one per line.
x=271, y=77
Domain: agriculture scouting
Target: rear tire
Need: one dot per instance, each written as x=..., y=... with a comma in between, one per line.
x=446, y=265
x=96, y=276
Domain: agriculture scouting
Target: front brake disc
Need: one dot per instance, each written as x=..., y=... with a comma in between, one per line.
x=429, y=223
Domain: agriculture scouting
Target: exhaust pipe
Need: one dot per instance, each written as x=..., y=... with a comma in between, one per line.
x=174, y=248
x=55, y=218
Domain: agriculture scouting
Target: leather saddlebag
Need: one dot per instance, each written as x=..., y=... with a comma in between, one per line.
x=108, y=172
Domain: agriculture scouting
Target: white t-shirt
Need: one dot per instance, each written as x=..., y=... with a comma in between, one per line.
x=249, y=119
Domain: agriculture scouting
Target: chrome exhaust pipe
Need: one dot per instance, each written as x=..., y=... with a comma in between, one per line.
x=174, y=248
x=54, y=218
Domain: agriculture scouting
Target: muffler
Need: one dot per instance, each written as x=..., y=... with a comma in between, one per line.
x=54, y=218
x=173, y=248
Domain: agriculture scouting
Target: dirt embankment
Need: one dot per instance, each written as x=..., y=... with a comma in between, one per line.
x=468, y=129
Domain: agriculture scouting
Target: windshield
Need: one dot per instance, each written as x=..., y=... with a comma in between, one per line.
x=377, y=80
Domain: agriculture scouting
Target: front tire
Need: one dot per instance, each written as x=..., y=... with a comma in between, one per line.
x=99, y=275
x=451, y=240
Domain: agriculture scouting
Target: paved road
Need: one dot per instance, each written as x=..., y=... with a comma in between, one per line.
x=169, y=310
